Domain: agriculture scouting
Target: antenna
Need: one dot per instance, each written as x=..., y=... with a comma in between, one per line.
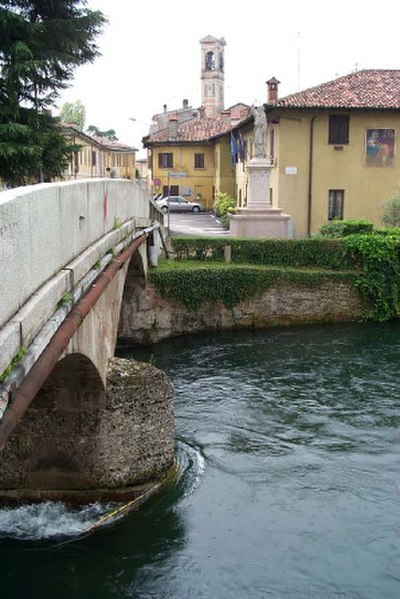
x=298, y=61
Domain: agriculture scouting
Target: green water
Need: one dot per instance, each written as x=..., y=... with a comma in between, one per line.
x=289, y=480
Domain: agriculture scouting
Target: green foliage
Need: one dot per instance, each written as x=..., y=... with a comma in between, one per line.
x=31, y=150
x=224, y=220
x=73, y=112
x=342, y=228
x=373, y=258
x=108, y=134
x=14, y=363
x=117, y=223
x=391, y=211
x=314, y=253
x=191, y=283
x=378, y=281
x=41, y=44
x=393, y=231
x=223, y=204
x=65, y=299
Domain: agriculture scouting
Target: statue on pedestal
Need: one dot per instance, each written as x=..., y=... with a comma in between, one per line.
x=260, y=132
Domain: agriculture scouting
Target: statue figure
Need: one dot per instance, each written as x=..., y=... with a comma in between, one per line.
x=260, y=131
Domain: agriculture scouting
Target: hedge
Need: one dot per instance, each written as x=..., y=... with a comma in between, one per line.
x=313, y=253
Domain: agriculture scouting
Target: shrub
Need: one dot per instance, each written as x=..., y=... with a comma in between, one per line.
x=313, y=253
x=379, y=278
x=223, y=204
x=391, y=211
x=224, y=220
x=342, y=228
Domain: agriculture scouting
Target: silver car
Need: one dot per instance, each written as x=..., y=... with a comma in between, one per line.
x=178, y=204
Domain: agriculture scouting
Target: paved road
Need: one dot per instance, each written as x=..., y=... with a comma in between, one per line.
x=204, y=224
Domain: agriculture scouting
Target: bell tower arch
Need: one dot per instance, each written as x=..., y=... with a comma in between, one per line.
x=212, y=75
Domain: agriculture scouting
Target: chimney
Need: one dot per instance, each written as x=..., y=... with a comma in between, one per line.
x=173, y=127
x=272, y=90
x=165, y=108
x=185, y=103
x=226, y=112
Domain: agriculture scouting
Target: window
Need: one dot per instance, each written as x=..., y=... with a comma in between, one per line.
x=335, y=204
x=172, y=190
x=339, y=129
x=199, y=161
x=165, y=160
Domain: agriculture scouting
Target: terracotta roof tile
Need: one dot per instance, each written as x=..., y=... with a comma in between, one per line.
x=369, y=88
x=196, y=130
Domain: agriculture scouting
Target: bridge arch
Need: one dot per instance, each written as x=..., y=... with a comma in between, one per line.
x=77, y=434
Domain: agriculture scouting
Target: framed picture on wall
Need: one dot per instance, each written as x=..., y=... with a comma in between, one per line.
x=379, y=147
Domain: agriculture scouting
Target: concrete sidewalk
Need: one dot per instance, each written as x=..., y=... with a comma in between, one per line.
x=204, y=224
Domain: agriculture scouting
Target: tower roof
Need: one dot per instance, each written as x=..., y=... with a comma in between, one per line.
x=209, y=39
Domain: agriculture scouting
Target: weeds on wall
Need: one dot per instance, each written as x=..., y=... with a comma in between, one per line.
x=14, y=363
x=192, y=283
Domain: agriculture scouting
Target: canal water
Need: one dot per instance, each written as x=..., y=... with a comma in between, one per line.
x=288, y=482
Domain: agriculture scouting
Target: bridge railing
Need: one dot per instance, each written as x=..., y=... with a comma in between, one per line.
x=43, y=228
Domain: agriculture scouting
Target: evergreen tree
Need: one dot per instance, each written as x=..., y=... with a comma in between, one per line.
x=41, y=44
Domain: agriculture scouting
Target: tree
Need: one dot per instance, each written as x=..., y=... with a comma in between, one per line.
x=108, y=134
x=41, y=44
x=73, y=112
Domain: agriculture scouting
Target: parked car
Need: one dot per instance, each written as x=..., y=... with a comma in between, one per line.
x=178, y=204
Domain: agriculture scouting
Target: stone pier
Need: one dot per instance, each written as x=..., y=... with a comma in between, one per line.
x=81, y=444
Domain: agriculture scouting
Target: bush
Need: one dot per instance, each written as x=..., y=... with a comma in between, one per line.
x=313, y=253
x=379, y=279
x=223, y=204
x=342, y=228
x=391, y=211
x=224, y=220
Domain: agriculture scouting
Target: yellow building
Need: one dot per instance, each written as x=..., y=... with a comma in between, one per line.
x=99, y=157
x=188, y=147
x=333, y=149
x=192, y=158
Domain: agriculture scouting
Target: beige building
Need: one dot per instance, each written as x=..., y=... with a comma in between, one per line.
x=333, y=149
x=99, y=157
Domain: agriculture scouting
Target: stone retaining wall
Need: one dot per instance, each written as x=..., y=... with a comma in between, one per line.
x=148, y=318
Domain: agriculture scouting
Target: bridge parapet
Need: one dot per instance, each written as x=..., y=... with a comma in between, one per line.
x=51, y=235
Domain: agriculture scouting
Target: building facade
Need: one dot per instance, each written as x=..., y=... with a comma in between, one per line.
x=98, y=157
x=189, y=152
x=333, y=149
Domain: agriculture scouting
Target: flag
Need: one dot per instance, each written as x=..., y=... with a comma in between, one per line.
x=234, y=150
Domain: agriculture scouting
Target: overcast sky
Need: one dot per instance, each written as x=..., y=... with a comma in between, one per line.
x=151, y=53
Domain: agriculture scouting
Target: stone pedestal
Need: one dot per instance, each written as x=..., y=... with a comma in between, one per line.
x=259, y=219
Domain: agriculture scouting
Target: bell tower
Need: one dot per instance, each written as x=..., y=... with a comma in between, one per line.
x=212, y=75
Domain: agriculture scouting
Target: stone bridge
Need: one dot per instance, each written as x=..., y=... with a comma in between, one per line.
x=67, y=253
